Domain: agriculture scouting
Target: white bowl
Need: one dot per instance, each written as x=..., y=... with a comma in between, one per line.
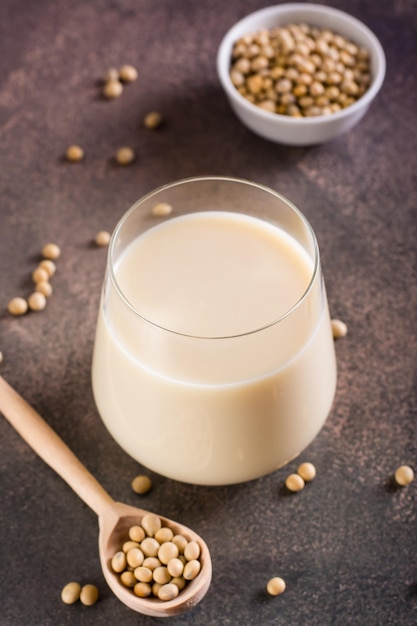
x=301, y=131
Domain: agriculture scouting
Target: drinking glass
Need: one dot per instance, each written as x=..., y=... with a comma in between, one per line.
x=213, y=362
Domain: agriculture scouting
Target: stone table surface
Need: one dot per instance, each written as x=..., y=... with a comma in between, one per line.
x=347, y=544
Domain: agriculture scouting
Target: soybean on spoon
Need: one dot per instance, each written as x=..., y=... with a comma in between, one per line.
x=114, y=518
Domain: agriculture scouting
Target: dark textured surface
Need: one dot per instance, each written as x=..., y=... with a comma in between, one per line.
x=347, y=544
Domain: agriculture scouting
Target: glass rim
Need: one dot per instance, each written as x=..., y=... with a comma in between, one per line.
x=227, y=179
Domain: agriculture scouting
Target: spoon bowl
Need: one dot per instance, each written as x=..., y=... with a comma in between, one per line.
x=115, y=518
x=114, y=524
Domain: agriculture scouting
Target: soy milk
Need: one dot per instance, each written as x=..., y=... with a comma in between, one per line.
x=214, y=360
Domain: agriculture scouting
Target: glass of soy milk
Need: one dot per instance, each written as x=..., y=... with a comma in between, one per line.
x=214, y=360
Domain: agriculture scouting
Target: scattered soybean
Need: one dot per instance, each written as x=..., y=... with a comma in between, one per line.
x=307, y=471
x=89, y=595
x=40, y=275
x=162, y=209
x=339, y=329
x=404, y=475
x=141, y=484
x=71, y=593
x=51, y=251
x=112, y=89
x=36, y=301
x=17, y=306
x=111, y=74
x=276, y=586
x=74, y=153
x=128, y=73
x=294, y=482
x=125, y=155
x=153, y=120
x=102, y=238
x=44, y=288
x=49, y=266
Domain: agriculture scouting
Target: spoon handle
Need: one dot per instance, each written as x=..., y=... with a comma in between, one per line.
x=50, y=447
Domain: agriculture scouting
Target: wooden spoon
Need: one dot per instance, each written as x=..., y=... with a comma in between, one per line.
x=114, y=518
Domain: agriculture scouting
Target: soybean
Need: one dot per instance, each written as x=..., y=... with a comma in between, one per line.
x=71, y=593
x=17, y=306
x=143, y=574
x=339, y=329
x=175, y=567
x=119, y=562
x=167, y=551
x=37, y=301
x=150, y=546
x=128, y=73
x=179, y=581
x=404, y=475
x=135, y=557
x=111, y=74
x=161, y=209
x=294, y=482
x=164, y=535
x=49, y=266
x=276, y=586
x=181, y=542
x=125, y=156
x=191, y=569
x=128, y=545
x=128, y=578
x=112, y=89
x=168, y=592
x=102, y=238
x=136, y=534
x=161, y=575
x=141, y=484
x=192, y=551
x=153, y=120
x=151, y=562
x=142, y=589
x=307, y=471
x=151, y=523
x=40, y=275
x=89, y=595
x=74, y=153
x=51, y=251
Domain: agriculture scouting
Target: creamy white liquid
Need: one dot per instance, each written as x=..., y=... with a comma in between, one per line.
x=214, y=408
